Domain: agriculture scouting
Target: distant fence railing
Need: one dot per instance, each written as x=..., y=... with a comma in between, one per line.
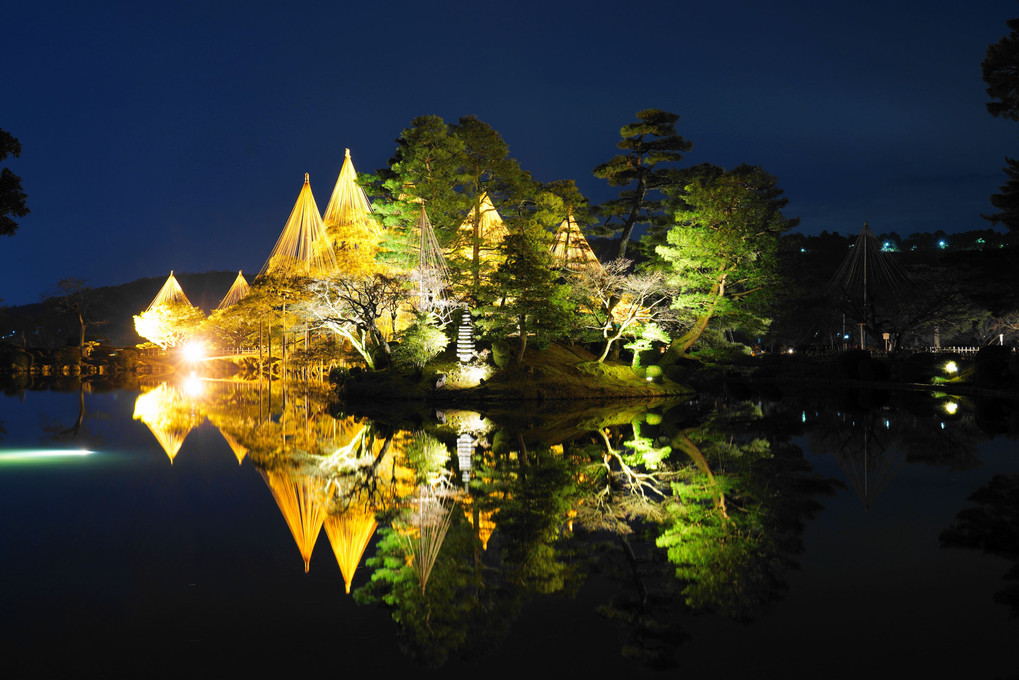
x=828, y=349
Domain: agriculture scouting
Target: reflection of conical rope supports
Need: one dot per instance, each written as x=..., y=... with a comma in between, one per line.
x=168, y=415
x=235, y=446
x=349, y=534
x=868, y=472
x=424, y=530
x=303, y=505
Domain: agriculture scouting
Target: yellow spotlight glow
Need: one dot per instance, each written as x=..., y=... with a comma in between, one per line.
x=193, y=352
x=193, y=385
x=951, y=407
x=951, y=367
x=475, y=373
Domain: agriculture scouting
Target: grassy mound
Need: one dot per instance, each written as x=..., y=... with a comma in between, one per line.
x=558, y=372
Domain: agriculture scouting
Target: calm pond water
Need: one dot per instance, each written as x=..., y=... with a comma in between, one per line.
x=202, y=525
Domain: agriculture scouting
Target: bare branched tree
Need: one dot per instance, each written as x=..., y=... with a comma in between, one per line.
x=622, y=301
x=357, y=308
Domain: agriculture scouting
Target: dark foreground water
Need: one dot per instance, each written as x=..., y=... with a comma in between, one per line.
x=865, y=536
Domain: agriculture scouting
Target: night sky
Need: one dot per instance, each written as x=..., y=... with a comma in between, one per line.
x=160, y=136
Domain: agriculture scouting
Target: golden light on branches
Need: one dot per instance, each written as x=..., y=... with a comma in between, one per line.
x=302, y=247
x=349, y=225
x=170, y=318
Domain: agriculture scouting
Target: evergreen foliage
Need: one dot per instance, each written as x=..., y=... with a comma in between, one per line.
x=419, y=343
x=1001, y=74
x=650, y=148
x=722, y=252
x=13, y=201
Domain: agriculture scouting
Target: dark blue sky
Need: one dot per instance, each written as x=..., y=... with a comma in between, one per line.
x=160, y=136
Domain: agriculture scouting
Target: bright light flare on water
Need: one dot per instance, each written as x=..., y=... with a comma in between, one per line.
x=951, y=367
x=193, y=385
x=951, y=407
x=16, y=456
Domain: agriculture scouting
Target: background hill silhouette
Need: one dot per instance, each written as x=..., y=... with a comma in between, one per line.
x=44, y=324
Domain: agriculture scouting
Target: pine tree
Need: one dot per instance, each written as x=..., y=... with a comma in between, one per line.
x=651, y=147
x=12, y=198
x=1001, y=73
x=722, y=252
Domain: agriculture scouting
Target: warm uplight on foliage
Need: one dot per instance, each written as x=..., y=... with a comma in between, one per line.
x=168, y=325
x=302, y=247
x=469, y=375
x=470, y=422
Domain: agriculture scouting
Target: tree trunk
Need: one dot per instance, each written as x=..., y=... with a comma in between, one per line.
x=631, y=219
x=522, y=346
x=681, y=345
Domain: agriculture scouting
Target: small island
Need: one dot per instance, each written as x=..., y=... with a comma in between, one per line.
x=453, y=276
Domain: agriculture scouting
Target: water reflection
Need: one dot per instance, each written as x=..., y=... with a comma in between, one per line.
x=455, y=521
x=991, y=524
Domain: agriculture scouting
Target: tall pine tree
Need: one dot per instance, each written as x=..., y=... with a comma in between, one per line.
x=1001, y=73
x=646, y=167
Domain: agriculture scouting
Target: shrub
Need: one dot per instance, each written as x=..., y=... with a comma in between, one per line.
x=501, y=353
x=15, y=360
x=419, y=344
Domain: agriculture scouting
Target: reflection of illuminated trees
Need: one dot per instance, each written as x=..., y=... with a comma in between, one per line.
x=169, y=415
x=428, y=456
x=439, y=620
x=736, y=515
x=537, y=495
x=624, y=487
x=991, y=525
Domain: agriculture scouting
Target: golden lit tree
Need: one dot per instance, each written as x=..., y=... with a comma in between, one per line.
x=349, y=224
x=170, y=318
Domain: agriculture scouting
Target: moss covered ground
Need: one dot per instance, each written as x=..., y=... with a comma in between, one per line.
x=556, y=372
